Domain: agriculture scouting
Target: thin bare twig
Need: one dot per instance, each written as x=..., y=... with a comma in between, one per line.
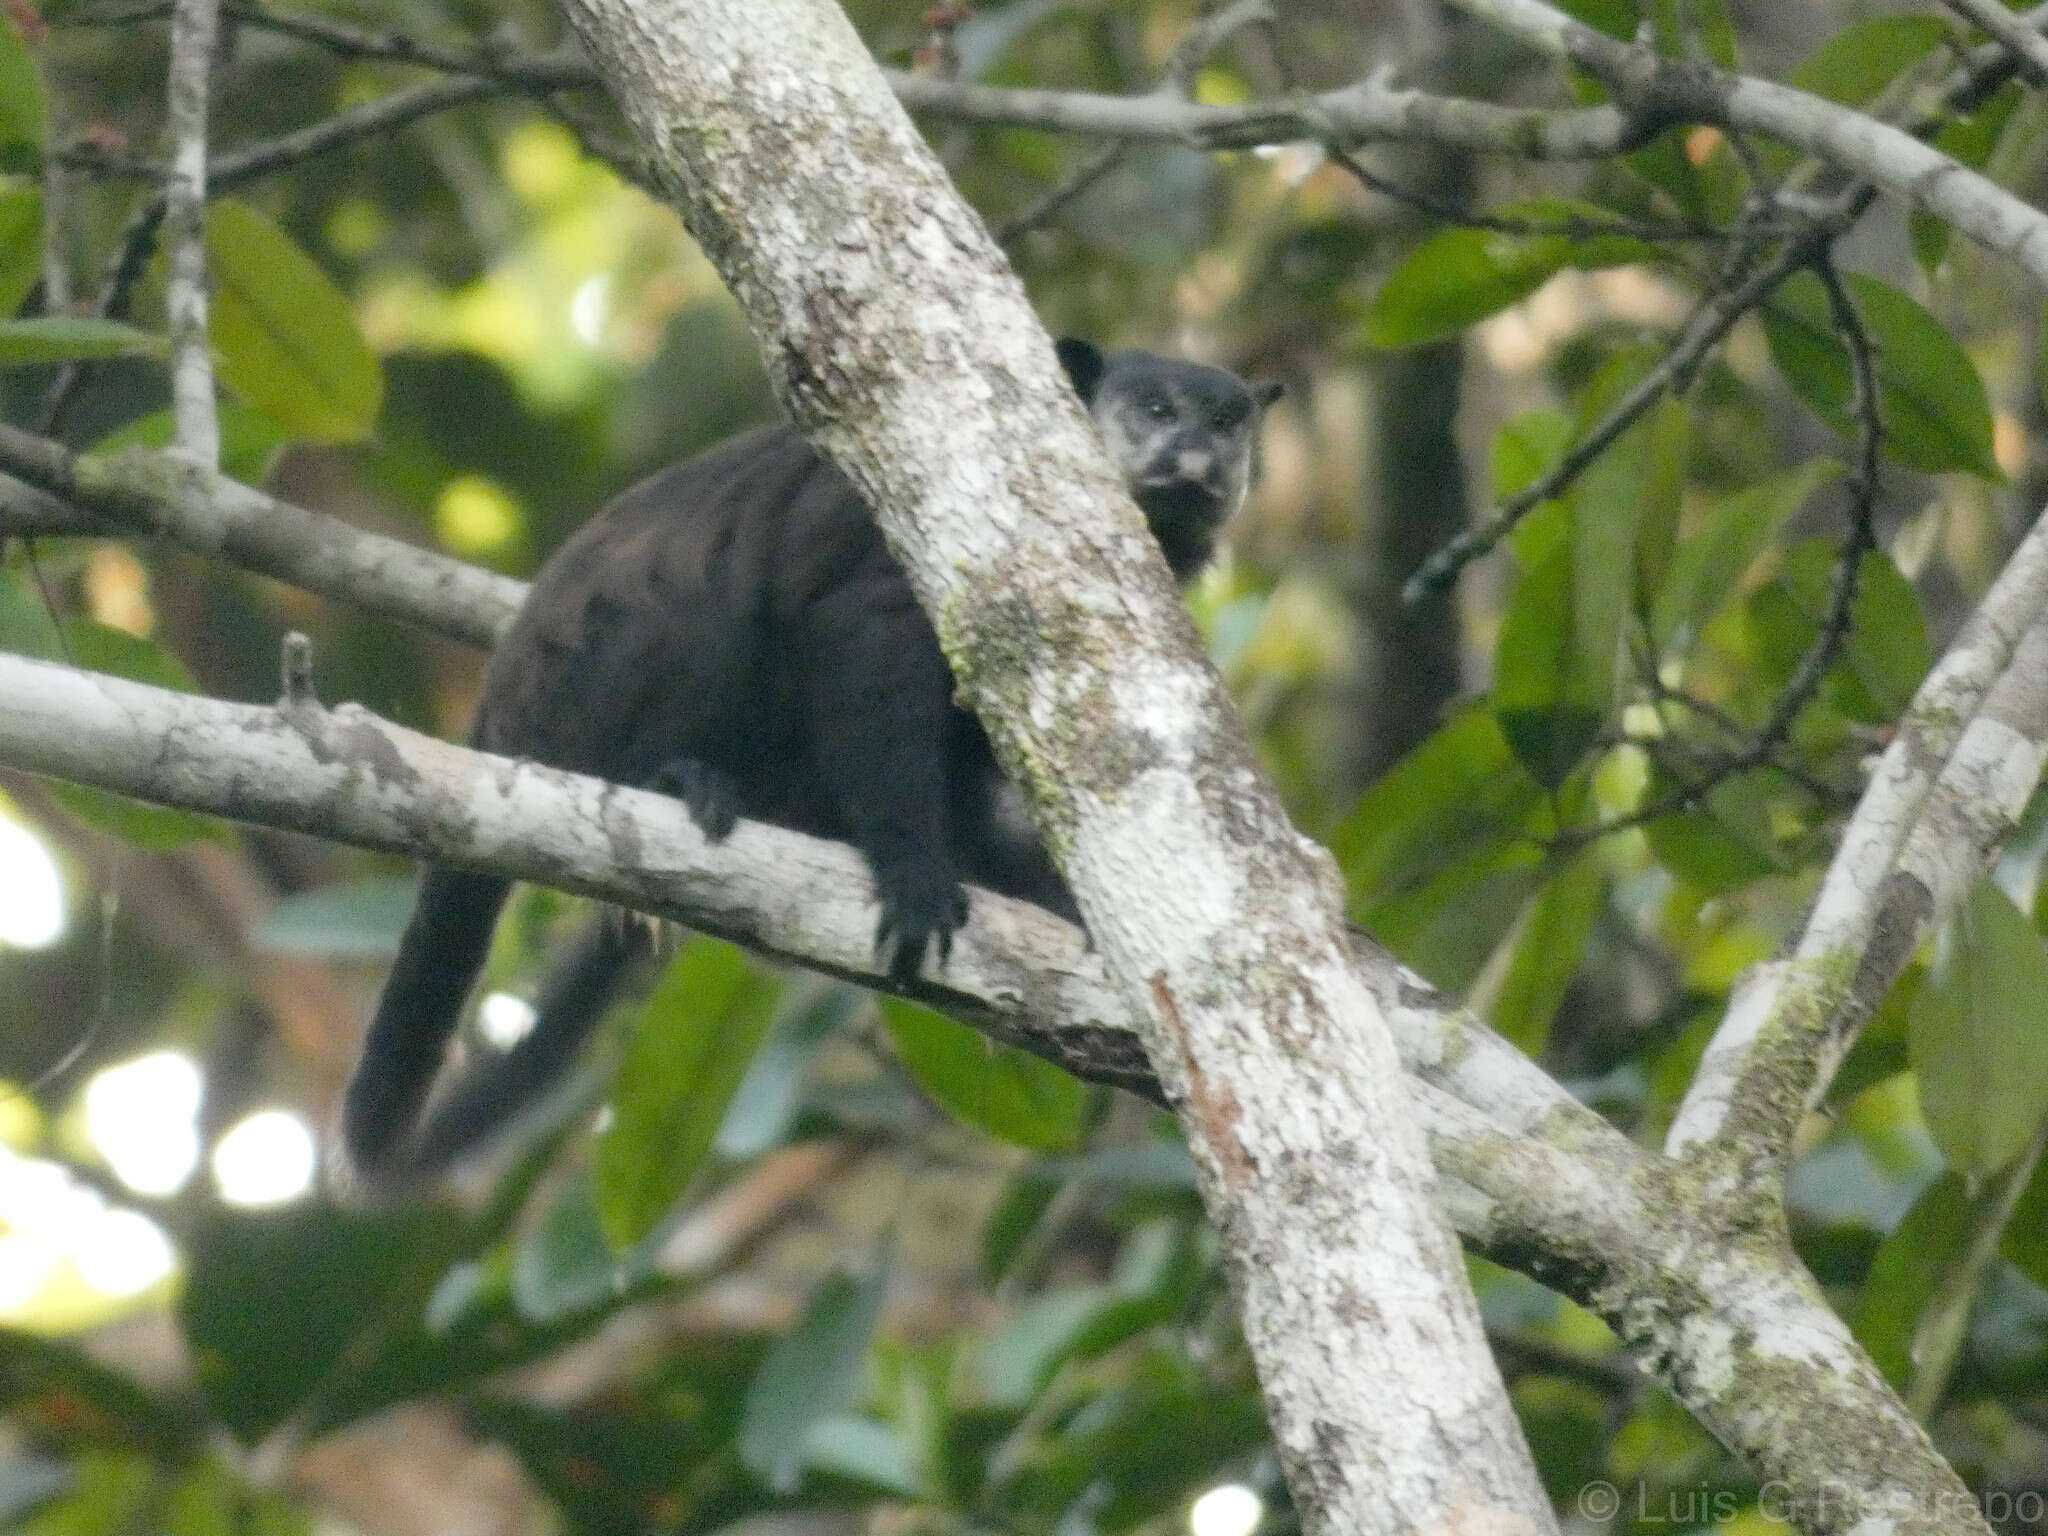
x=1712, y=319
x=1069, y=187
x=1839, y=618
x=2011, y=31
x=1189, y=55
x=1570, y=226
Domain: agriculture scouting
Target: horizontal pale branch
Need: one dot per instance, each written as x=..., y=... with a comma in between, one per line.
x=348, y=776
x=1362, y=113
x=138, y=491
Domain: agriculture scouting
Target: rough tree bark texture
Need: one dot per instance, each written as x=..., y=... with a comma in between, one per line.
x=901, y=340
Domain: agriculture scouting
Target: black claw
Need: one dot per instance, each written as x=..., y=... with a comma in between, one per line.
x=922, y=904
x=711, y=797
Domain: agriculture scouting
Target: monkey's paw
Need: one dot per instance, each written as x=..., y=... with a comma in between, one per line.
x=922, y=904
x=711, y=796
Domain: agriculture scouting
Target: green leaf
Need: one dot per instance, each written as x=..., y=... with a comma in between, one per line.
x=204, y=1502
x=102, y=648
x=1461, y=276
x=1708, y=20
x=106, y=649
x=1525, y=447
x=45, y=1378
x=1721, y=844
x=1551, y=681
x=1857, y=62
x=108, y=1493
x=866, y=1451
x=1886, y=654
x=67, y=338
x=2026, y=1236
x=349, y=920
x=26, y=627
x=1969, y=140
x=1617, y=18
x=1456, y=279
x=1011, y=1095
x=1975, y=1034
x=249, y=441
x=284, y=337
x=1555, y=667
x=1930, y=400
x=1447, y=927
x=1911, y=1270
x=1548, y=941
x=694, y=1043
x=1712, y=558
x=564, y=1266
x=809, y=1375
x=1007, y=1229
x=23, y=119
x=1462, y=792
x=1656, y=472
x=273, y=1299
x=770, y=1097
x=21, y=246
x=1008, y=1366
x=1141, y=1443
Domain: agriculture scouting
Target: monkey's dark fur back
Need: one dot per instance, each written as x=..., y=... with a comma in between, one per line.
x=733, y=630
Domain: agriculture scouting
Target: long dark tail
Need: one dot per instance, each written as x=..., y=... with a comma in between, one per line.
x=573, y=1000
x=438, y=959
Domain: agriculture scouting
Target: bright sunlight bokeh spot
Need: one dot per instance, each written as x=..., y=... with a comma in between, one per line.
x=26, y=1263
x=31, y=896
x=475, y=515
x=142, y=1115
x=266, y=1159
x=121, y=1253
x=60, y=1242
x=589, y=309
x=504, y=1020
x=1229, y=1509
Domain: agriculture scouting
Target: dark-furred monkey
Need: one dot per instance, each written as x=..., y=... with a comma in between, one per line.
x=734, y=631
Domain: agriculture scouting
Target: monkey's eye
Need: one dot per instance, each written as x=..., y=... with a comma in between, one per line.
x=1227, y=419
x=1157, y=408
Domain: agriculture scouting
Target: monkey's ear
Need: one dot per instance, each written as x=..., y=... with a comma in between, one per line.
x=1265, y=394
x=1083, y=363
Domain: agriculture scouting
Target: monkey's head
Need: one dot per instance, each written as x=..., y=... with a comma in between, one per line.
x=1183, y=436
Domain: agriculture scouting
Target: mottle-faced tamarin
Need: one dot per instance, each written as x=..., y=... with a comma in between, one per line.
x=734, y=631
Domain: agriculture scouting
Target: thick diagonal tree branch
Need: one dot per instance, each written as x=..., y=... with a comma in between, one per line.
x=901, y=341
